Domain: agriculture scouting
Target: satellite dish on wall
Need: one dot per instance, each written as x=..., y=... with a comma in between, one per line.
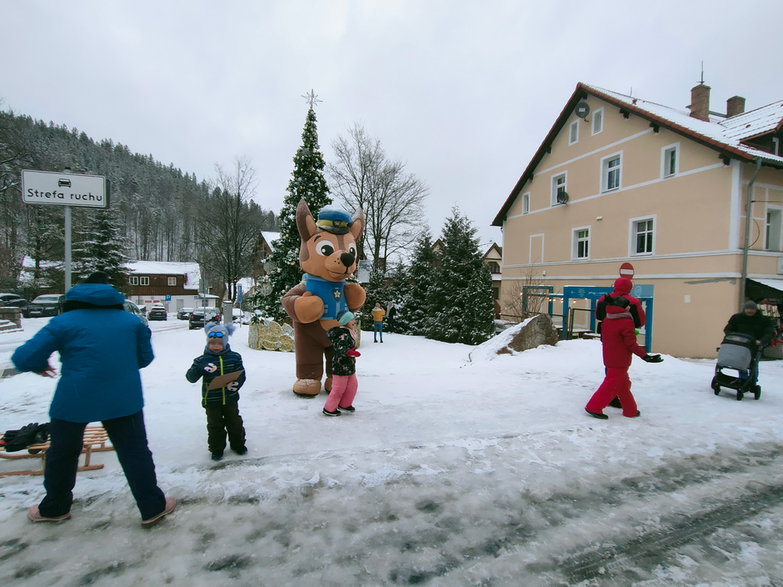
x=562, y=197
x=582, y=110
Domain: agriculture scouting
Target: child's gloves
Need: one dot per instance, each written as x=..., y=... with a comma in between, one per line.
x=232, y=385
x=353, y=353
x=210, y=367
x=653, y=359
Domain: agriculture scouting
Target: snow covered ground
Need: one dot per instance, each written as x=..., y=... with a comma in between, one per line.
x=451, y=472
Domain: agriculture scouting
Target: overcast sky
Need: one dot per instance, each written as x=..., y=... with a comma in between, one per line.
x=461, y=91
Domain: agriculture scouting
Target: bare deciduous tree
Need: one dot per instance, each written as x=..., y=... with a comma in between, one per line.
x=392, y=199
x=229, y=225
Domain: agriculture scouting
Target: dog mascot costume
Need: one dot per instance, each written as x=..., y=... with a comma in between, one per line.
x=327, y=255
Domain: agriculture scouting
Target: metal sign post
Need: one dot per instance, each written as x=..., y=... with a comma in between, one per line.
x=67, y=264
x=68, y=190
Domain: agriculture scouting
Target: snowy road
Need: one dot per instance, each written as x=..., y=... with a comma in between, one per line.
x=388, y=517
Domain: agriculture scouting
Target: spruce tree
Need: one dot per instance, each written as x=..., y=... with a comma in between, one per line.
x=460, y=301
x=308, y=182
x=102, y=248
x=414, y=287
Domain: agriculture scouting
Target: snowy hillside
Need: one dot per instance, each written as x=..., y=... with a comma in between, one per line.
x=451, y=472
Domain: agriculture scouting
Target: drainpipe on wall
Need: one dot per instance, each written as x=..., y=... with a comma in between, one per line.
x=746, y=246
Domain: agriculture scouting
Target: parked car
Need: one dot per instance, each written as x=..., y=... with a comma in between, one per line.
x=200, y=316
x=157, y=313
x=12, y=299
x=135, y=310
x=45, y=305
x=184, y=313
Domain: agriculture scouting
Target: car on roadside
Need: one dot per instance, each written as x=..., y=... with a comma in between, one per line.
x=44, y=305
x=157, y=313
x=184, y=313
x=200, y=316
x=135, y=310
x=12, y=300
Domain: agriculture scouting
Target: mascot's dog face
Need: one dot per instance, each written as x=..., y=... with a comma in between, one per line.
x=329, y=255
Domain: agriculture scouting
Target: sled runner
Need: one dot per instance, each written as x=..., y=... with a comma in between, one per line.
x=736, y=368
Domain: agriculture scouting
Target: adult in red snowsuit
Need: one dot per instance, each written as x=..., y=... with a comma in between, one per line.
x=619, y=343
x=622, y=287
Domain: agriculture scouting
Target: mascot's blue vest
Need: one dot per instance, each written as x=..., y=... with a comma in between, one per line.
x=330, y=292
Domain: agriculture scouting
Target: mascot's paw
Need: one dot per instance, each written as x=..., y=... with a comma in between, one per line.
x=308, y=308
x=328, y=384
x=354, y=296
x=307, y=387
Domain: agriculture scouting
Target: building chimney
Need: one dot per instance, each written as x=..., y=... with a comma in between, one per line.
x=700, y=102
x=735, y=105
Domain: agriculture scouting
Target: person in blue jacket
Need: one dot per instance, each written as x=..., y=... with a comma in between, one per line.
x=102, y=347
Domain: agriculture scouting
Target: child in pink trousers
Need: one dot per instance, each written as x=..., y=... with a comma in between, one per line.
x=344, y=383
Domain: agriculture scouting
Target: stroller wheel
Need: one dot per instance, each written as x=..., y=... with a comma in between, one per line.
x=757, y=392
x=715, y=386
x=739, y=396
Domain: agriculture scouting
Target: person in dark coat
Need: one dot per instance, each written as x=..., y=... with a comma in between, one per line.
x=221, y=403
x=102, y=347
x=622, y=287
x=618, y=338
x=753, y=323
x=344, y=382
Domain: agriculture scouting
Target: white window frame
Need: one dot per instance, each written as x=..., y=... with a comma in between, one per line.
x=576, y=239
x=633, y=232
x=526, y=203
x=769, y=234
x=675, y=147
x=605, y=171
x=172, y=281
x=144, y=280
x=133, y=280
x=598, y=127
x=573, y=132
x=554, y=187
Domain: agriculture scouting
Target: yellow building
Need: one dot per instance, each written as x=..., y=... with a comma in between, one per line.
x=620, y=179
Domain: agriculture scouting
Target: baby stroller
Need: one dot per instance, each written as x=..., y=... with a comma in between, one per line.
x=736, y=368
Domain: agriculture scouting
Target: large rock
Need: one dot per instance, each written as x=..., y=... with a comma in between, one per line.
x=533, y=332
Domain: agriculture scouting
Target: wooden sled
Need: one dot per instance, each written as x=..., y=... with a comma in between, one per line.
x=95, y=440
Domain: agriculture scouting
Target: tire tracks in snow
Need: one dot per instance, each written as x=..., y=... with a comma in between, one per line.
x=651, y=547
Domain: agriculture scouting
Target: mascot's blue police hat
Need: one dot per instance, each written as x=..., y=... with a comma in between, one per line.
x=333, y=219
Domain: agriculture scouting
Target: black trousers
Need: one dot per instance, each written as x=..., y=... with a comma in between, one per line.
x=129, y=437
x=222, y=419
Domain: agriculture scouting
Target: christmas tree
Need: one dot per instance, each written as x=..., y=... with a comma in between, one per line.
x=460, y=298
x=308, y=182
x=102, y=248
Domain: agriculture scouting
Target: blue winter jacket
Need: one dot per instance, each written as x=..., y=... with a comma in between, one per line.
x=101, y=346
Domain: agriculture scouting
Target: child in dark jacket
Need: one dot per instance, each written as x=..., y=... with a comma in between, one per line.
x=344, y=383
x=221, y=402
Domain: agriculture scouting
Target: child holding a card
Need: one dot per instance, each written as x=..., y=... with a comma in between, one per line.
x=223, y=374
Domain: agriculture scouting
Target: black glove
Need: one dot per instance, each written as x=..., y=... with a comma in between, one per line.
x=653, y=359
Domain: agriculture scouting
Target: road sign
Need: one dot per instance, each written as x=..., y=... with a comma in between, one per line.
x=64, y=189
x=626, y=270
